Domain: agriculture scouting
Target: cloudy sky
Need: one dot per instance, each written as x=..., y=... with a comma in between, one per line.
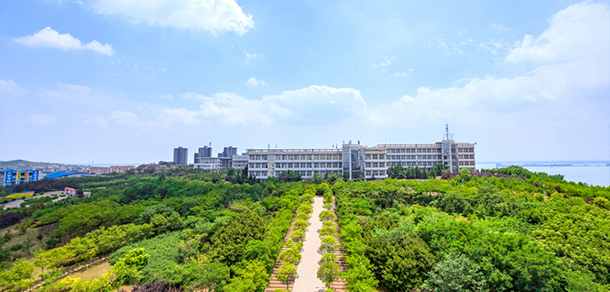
x=126, y=81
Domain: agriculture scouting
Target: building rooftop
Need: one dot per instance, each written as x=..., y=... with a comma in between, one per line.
x=61, y=173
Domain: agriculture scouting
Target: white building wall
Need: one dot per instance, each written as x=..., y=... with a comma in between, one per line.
x=264, y=163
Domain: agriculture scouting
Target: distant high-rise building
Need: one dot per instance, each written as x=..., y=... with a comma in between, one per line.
x=181, y=155
x=203, y=152
x=228, y=152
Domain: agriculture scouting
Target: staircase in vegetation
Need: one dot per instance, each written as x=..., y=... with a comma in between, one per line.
x=274, y=283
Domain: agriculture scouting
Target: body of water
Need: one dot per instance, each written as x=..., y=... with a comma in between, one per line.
x=596, y=174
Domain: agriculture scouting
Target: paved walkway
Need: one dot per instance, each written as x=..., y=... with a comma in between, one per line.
x=307, y=279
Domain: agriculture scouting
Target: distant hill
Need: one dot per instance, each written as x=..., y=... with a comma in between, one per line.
x=24, y=164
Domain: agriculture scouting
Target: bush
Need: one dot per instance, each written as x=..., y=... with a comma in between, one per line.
x=300, y=224
x=602, y=203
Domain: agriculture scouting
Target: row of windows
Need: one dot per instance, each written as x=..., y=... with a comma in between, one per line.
x=466, y=156
x=466, y=162
x=258, y=165
x=207, y=165
x=412, y=164
x=309, y=165
x=374, y=156
x=303, y=173
x=413, y=157
x=375, y=164
x=426, y=150
x=258, y=173
x=298, y=157
x=376, y=173
x=469, y=150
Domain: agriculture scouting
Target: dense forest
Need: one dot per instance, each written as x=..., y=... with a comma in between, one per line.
x=190, y=230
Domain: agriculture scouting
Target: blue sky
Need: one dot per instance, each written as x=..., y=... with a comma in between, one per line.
x=126, y=81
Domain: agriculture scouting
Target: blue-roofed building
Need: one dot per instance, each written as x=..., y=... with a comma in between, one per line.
x=10, y=177
x=64, y=174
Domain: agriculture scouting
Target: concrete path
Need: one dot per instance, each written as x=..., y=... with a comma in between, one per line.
x=307, y=279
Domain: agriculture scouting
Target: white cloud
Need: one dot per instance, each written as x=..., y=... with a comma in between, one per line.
x=49, y=37
x=577, y=32
x=576, y=50
x=180, y=116
x=233, y=109
x=132, y=119
x=385, y=63
x=319, y=104
x=9, y=88
x=41, y=120
x=167, y=96
x=95, y=120
x=249, y=56
x=255, y=82
x=215, y=16
x=314, y=105
x=404, y=74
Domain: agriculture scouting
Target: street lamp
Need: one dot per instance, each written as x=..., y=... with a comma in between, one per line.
x=328, y=212
x=330, y=246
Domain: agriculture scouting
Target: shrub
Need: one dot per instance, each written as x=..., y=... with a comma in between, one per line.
x=602, y=203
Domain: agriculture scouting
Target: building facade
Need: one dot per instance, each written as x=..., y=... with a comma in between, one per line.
x=228, y=152
x=10, y=177
x=111, y=169
x=208, y=163
x=181, y=155
x=220, y=163
x=239, y=161
x=204, y=151
x=357, y=162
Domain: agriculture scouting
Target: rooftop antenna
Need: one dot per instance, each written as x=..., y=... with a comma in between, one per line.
x=210, y=144
x=268, y=146
x=447, y=135
x=275, y=145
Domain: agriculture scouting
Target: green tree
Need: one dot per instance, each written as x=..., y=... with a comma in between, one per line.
x=327, y=242
x=127, y=269
x=287, y=273
x=359, y=277
x=456, y=273
x=198, y=275
x=301, y=224
x=399, y=259
x=229, y=243
x=291, y=255
x=328, y=272
x=250, y=276
x=297, y=235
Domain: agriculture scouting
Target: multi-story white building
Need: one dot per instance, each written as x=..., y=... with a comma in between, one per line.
x=239, y=161
x=355, y=161
x=264, y=163
x=220, y=163
x=209, y=163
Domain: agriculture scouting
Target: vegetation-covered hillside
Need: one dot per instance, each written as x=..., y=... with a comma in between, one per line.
x=190, y=230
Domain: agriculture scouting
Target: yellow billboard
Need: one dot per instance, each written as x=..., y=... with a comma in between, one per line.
x=18, y=178
x=25, y=175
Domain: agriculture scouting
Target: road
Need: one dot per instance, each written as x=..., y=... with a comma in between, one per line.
x=307, y=279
